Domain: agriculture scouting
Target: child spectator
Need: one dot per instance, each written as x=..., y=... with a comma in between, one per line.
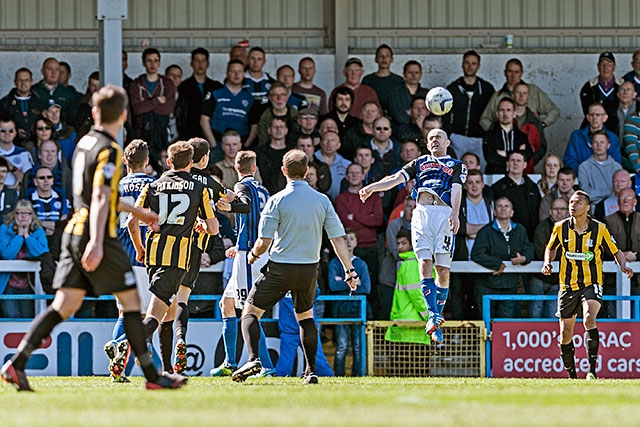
x=408, y=302
x=348, y=309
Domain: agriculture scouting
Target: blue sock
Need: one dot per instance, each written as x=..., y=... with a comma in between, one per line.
x=429, y=293
x=118, y=328
x=230, y=338
x=263, y=351
x=441, y=298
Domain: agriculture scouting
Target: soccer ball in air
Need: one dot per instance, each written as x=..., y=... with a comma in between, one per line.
x=439, y=101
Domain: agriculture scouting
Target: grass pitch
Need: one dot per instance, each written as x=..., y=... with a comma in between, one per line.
x=93, y=401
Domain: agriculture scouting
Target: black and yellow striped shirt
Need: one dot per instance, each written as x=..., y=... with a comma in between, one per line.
x=581, y=253
x=97, y=162
x=178, y=200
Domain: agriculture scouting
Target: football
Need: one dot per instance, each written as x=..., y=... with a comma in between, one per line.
x=439, y=101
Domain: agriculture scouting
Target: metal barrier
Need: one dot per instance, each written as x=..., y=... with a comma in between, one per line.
x=407, y=355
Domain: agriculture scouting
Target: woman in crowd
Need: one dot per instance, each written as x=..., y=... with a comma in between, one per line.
x=21, y=237
x=42, y=130
x=550, y=167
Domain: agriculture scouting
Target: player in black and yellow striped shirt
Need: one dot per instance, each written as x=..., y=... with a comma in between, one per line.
x=184, y=208
x=581, y=240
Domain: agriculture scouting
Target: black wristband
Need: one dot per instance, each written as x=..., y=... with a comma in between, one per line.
x=253, y=255
x=351, y=270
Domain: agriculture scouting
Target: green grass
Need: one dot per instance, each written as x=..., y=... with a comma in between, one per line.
x=93, y=401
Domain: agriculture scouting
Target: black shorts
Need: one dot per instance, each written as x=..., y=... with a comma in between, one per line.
x=114, y=273
x=570, y=302
x=194, y=267
x=164, y=281
x=278, y=278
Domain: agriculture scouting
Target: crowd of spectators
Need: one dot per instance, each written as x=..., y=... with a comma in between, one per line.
x=367, y=127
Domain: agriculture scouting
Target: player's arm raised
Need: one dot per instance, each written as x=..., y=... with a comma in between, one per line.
x=386, y=183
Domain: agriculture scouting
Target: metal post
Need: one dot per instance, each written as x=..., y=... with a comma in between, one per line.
x=110, y=15
x=341, y=37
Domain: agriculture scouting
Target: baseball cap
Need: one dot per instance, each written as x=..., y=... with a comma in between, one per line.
x=308, y=111
x=53, y=103
x=353, y=61
x=607, y=55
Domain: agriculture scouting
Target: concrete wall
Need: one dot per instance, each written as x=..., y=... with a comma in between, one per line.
x=560, y=75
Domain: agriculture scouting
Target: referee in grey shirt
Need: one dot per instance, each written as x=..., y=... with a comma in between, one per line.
x=291, y=229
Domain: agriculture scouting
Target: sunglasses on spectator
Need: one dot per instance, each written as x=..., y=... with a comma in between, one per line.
x=7, y=130
x=382, y=128
x=43, y=128
x=43, y=177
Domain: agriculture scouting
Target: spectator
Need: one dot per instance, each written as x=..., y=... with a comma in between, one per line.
x=471, y=160
x=503, y=138
x=277, y=107
x=83, y=120
x=392, y=93
x=51, y=208
x=579, y=147
x=286, y=75
x=412, y=131
x=408, y=151
x=269, y=156
x=51, y=92
x=539, y=284
x=316, y=97
x=353, y=71
x=562, y=189
x=153, y=99
x=322, y=171
x=327, y=124
x=231, y=144
x=42, y=130
x=539, y=102
x=550, y=167
x=21, y=237
x=595, y=171
x=22, y=104
x=256, y=81
x=408, y=301
x=365, y=218
x=64, y=134
x=227, y=107
x=372, y=170
x=385, y=150
x=529, y=123
x=471, y=94
x=412, y=73
x=626, y=107
x=603, y=89
x=476, y=211
x=608, y=206
x=633, y=76
x=521, y=191
x=63, y=79
x=126, y=80
x=307, y=125
x=362, y=134
x=19, y=159
x=8, y=196
x=347, y=309
x=49, y=156
x=328, y=153
x=342, y=98
x=239, y=52
x=192, y=94
x=502, y=240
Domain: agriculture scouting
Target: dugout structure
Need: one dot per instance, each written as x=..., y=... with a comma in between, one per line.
x=462, y=356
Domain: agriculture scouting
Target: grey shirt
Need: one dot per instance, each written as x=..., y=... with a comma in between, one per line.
x=294, y=218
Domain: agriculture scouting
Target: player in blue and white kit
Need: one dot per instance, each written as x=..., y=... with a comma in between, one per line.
x=438, y=191
x=136, y=158
x=251, y=197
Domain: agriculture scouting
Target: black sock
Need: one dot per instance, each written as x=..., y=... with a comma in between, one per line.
x=593, y=344
x=568, y=352
x=150, y=325
x=250, y=326
x=182, y=319
x=40, y=329
x=309, y=339
x=137, y=340
x=166, y=344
